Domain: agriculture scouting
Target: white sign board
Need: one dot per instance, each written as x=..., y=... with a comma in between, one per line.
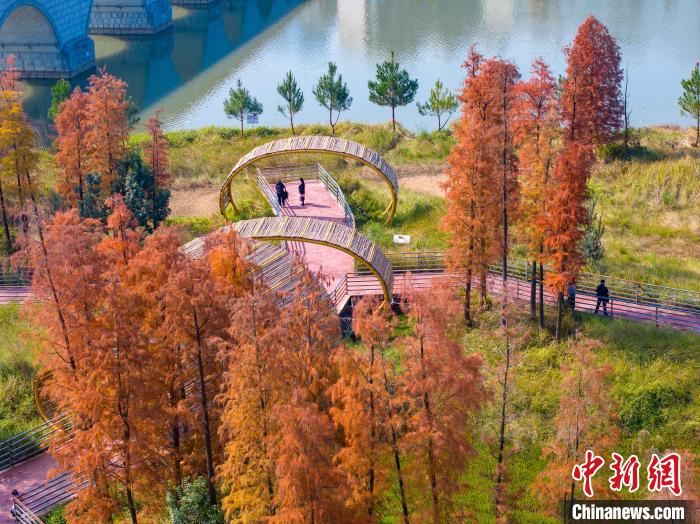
x=402, y=239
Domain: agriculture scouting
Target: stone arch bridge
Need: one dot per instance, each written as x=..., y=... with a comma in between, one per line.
x=49, y=38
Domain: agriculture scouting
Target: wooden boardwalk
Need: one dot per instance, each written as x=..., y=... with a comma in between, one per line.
x=324, y=145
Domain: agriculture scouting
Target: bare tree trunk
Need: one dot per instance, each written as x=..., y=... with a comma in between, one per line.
x=5, y=222
x=541, y=296
x=533, y=291
x=393, y=118
x=502, y=432
x=468, y=298
x=205, y=412
x=431, y=452
x=560, y=314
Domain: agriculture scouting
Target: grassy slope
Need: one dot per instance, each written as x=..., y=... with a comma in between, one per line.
x=17, y=411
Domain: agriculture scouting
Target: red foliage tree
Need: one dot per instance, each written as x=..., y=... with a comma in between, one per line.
x=107, y=124
x=536, y=131
x=472, y=213
x=591, y=100
x=443, y=387
x=157, y=151
x=71, y=142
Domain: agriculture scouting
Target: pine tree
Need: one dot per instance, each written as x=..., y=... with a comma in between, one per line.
x=689, y=101
x=441, y=102
x=333, y=94
x=393, y=87
x=71, y=143
x=293, y=98
x=60, y=92
x=241, y=105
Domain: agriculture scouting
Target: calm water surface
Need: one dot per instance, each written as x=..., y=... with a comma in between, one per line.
x=188, y=71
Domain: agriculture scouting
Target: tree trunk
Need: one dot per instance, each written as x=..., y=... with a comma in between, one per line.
x=533, y=291
x=560, y=313
x=132, y=505
x=20, y=192
x=205, y=413
x=393, y=118
x=468, y=297
x=484, y=291
x=5, y=222
x=541, y=296
x=439, y=123
x=697, y=131
x=54, y=294
x=291, y=121
x=431, y=451
x=502, y=433
x=241, y=126
x=373, y=434
x=399, y=475
x=330, y=121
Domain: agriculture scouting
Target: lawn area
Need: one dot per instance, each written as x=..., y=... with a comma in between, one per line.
x=17, y=347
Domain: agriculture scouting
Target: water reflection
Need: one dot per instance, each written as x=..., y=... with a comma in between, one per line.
x=189, y=70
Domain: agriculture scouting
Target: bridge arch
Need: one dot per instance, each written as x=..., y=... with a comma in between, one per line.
x=325, y=145
x=326, y=233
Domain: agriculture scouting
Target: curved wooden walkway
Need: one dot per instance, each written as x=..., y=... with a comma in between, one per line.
x=324, y=145
x=325, y=233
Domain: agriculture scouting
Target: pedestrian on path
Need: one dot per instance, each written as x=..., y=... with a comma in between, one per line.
x=603, y=297
x=281, y=190
x=571, y=296
x=302, y=191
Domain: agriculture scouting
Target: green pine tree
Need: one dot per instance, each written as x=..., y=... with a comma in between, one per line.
x=241, y=105
x=393, y=87
x=333, y=94
x=441, y=102
x=690, y=100
x=293, y=98
x=59, y=92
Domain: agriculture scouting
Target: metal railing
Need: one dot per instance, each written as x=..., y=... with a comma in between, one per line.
x=43, y=498
x=19, y=277
x=29, y=444
x=270, y=175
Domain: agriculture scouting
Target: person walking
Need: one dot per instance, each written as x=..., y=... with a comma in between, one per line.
x=302, y=191
x=571, y=296
x=281, y=190
x=603, y=296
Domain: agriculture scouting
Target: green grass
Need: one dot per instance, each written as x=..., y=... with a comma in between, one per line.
x=17, y=347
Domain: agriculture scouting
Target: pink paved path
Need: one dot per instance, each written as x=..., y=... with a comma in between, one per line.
x=22, y=478
x=14, y=294
x=333, y=264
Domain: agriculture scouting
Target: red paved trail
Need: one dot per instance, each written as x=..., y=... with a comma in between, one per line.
x=27, y=475
x=331, y=263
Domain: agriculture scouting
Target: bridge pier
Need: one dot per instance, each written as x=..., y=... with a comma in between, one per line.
x=48, y=39
x=130, y=17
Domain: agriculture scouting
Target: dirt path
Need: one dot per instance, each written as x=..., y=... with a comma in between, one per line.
x=202, y=201
x=430, y=184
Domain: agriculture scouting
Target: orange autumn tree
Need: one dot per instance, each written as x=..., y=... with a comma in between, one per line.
x=71, y=141
x=472, y=212
x=592, y=113
x=107, y=124
x=366, y=411
x=9, y=80
x=500, y=78
x=584, y=420
x=311, y=488
x=156, y=150
x=591, y=100
x=443, y=388
x=197, y=298
x=253, y=386
x=537, y=129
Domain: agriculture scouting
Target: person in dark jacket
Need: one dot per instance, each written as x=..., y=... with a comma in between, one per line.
x=571, y=295
x=281, y=190
x=603, y=297
x=302, y=191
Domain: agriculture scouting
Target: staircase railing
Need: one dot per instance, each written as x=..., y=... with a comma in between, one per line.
x=31, y=443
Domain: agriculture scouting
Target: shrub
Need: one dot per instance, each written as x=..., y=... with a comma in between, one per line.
x=189, y=504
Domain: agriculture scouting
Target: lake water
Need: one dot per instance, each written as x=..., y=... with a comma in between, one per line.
x=188, y=71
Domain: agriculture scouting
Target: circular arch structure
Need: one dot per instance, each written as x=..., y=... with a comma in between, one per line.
x=325, y=233
x=325, y=145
